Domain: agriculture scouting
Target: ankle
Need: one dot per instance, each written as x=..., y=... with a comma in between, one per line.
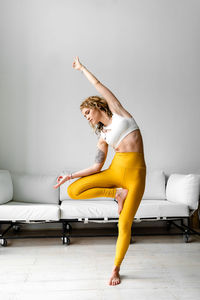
x=116, y=269
x=117, y=191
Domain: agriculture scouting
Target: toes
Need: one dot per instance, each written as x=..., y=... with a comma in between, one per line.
x=115, y=281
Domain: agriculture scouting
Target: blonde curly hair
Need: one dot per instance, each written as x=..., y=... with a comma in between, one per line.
x=99, y=103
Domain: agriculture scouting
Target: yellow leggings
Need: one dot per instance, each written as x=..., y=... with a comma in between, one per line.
x=127, y=170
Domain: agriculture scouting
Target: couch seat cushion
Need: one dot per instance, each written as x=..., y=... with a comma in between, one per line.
x=74, y=209
x=20, y=211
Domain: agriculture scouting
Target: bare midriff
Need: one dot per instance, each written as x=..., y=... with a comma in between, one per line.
x=131, y=143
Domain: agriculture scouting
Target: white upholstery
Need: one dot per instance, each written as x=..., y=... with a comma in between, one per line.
x=34, y=188
x=74, y=209
x=20, y=211
x=6, y=186
x=183, y=189
x=155, y=185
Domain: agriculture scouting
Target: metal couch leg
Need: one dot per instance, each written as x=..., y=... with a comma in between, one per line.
x=186, y=233
x=3, y=240
x=169, y=224
x=67, y=228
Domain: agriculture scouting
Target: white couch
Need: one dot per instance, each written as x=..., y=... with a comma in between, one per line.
x=28, y=198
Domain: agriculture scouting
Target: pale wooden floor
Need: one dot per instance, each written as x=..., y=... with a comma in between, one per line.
x=155, y=267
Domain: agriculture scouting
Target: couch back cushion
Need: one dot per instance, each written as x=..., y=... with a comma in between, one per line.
x=184, y=189
x=6, y=187
x=34, y=188
x=154, y=187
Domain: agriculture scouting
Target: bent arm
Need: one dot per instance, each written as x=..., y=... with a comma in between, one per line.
x=85, y=172
x=101, y=154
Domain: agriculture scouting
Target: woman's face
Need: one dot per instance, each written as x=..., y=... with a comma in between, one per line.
x=93, y=115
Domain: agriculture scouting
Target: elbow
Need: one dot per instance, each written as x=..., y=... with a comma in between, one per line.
x=96, y=83
x=97, y=168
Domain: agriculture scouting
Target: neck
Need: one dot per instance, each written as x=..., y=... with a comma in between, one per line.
x=105, y=119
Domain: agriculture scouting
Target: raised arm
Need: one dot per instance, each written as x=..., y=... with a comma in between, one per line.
x=113, y=103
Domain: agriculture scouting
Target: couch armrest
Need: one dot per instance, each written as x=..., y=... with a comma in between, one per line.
x=6, y=186
x=184, y=189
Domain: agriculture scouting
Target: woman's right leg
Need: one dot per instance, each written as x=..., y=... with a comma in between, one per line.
x=101, y=184
x=135, y=181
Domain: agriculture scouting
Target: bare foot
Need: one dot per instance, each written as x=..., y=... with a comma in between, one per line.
x=115, y=278
x=120, y=196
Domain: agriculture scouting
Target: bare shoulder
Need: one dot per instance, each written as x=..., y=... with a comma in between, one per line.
x=120, y=110
x=101, y=142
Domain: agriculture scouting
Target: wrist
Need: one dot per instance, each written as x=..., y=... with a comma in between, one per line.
x=82, y=67
x=71, y=176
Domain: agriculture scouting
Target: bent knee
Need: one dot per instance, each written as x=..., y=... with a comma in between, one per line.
x=72, y=191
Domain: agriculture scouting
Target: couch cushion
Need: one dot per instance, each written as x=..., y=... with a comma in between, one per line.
x=184, y=189
x=155, y=185
x=74, y=209
x=154, y=188
x=20, y=211
x=34, y=188
x=6, y=186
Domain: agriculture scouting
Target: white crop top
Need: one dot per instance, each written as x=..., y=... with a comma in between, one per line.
x=118, y=129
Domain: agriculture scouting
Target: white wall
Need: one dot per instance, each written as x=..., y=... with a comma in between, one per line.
x=145, y=51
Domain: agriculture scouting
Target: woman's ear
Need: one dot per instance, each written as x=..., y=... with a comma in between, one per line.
x=101, y=108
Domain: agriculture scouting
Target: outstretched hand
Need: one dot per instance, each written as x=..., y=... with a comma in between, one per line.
x=61, y=180
x=76, y=63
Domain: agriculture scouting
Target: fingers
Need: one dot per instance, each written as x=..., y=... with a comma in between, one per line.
x=59, y=178
x=57, y=185
x=76, y=63
x=76, y=59
x=60, y=182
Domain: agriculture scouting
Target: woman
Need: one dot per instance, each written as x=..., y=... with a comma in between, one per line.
x=124, y=180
